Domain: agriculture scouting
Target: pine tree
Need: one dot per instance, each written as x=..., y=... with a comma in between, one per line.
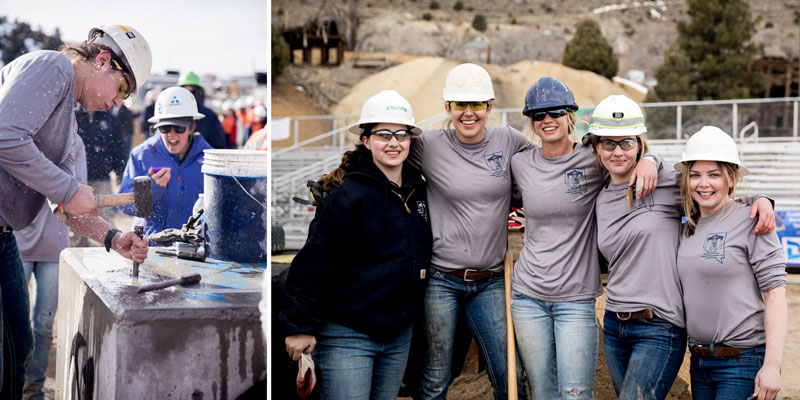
x=673, y=76
x=280, y=54
x=589, y=50
x=716, y=42
x=18, y=38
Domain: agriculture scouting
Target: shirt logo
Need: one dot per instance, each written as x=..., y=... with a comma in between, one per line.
x=497, y=164
x=714, y=246
x=646, y=202
x=576, y=181
x=422, y=209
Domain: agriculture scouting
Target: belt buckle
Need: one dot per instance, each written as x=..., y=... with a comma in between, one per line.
x=621, y=318
x=465, y=274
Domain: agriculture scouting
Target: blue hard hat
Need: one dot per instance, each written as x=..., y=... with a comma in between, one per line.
x=548, y=93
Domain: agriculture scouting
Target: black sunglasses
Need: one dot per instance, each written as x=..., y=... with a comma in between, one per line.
x=166, y=128
x=539, y=115
x=624, y=144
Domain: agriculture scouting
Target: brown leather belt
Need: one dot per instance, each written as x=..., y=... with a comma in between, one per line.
x=719, y=350
x=647, y=313
x=470, y=275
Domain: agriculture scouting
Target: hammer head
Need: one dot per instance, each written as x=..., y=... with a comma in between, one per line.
x=142, y=196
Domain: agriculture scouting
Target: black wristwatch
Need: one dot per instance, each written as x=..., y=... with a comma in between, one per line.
x=109, y=237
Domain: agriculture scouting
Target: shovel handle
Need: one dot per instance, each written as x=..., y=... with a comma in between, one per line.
x=508, y=269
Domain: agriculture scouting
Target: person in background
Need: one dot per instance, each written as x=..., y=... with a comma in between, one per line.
x=357, y=285
x=147, y=113
x=733, y=281
x=40, y=244
x=228, y=121
x=172, y=158
x=242, y=123
x=126, y=118
x=38, y=94
x=101, y=132
x=209, y=126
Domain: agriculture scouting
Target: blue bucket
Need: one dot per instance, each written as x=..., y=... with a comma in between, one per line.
x=235, y=197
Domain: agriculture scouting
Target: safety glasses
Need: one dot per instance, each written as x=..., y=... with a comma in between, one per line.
x=624, y=144
x=166, y=128
x=123, y=86
x=539, y=115
x=385, y=135
x=462, y=105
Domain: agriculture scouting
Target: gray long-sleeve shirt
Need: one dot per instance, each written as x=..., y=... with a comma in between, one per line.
x=640, y=245
x=723, y=269
x=559, y=261
x=45, y=237
x=469, y=195
x=37, y=130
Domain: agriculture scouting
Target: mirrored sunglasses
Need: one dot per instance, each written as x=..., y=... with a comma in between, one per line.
x=624, y=144
x=123, y=86
x=474, y=105
x=557, y=113
x=166, y=128
x=386, y=135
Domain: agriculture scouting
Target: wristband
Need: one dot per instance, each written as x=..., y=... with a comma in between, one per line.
x=109, y=237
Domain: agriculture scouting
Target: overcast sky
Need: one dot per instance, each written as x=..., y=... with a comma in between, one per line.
x=222, y=37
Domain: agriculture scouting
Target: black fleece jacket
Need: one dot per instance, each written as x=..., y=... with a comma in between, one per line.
x=365, y=262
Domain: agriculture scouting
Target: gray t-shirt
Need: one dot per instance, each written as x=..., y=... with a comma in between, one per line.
x=469, y=195
x=37, y=130
x=640, y=245
x=723, y=269
x=559, y=261
x=45, y=237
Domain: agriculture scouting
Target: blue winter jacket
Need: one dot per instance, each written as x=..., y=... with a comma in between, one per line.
x=172, y=205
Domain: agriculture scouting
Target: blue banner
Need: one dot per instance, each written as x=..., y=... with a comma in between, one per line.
x=788, y=229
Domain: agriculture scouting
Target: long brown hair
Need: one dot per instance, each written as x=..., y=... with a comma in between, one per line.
x=644, y=148
x=361, y=153
x=690, y=207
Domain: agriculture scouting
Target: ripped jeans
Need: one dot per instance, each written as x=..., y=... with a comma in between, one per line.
x=558, y=342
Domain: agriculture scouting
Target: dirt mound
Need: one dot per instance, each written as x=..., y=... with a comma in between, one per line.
x=421, y=81
x=287, y=100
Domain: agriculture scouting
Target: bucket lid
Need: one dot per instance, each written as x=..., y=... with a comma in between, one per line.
x=243, y=163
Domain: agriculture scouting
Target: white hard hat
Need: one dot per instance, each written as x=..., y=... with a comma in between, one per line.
x=132, y=49
x=260, y=111
x=239, y=103
x=174, y=103
x=249, y=101
x=617, y=115
x=710, y=144
x=386, y=107
x=227, y=105
x=468, y=82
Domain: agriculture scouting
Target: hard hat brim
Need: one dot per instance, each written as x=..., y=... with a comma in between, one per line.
x=356, y=128
x=618, y=132
x=681, y=165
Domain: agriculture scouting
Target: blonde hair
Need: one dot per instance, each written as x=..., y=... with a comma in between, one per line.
x=572, y=127
x=690, y=207
x=644, y=148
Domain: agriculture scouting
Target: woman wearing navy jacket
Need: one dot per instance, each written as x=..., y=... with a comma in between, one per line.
x=172, y=159
x=358, y=283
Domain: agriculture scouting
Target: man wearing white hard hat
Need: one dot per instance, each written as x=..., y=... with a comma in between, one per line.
x=38, y=92
x=172, y=158
x=733, y=282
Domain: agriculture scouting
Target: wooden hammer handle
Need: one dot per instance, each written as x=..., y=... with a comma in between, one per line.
x=111, y=200
x=508, y=268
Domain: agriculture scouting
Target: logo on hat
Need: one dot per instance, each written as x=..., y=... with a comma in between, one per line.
x=174, y=101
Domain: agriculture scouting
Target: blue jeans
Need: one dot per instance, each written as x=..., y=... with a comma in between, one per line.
x=558, y=342
x=483, y=304
x=44, y=311
x=726, y=377
x=352, y=365
x=16, y=326
x=643, y=356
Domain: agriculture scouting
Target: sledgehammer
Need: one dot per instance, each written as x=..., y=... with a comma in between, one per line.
x=142, y=198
